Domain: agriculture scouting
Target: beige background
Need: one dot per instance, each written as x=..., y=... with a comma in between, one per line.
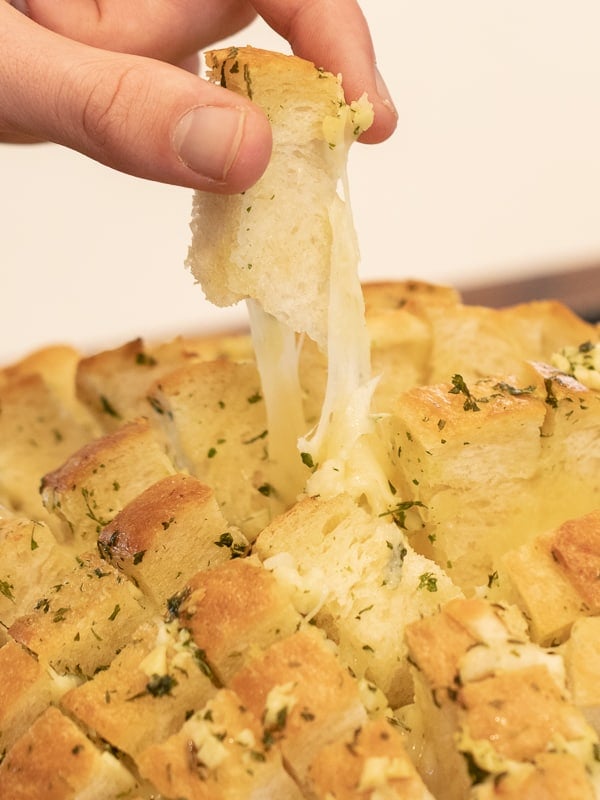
x=494, y=172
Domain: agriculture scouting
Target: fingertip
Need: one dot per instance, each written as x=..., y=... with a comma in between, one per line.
x=225, y=147
x=384, y=123
x=385, y=113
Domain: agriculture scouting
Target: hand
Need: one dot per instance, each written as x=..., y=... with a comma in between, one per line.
x=112, y=79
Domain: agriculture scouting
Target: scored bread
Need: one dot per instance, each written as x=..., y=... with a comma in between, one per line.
x=233, y=610
x=187, y=626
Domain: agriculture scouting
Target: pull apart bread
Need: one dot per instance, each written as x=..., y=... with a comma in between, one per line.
x=355, y=554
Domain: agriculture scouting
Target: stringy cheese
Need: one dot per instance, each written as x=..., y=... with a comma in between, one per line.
x=339, y=443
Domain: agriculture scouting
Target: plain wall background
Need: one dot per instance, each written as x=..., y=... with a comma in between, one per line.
x=494, y=173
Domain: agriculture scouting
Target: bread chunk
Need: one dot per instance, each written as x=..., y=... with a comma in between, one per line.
x=361, y=573
x=555, y=577
x=98, y=480
x=372, y=762
x=233, y=609
x=81, y=623
x=219, y=754
x=146, y=693
x=38, y=431
x=166, y=534
x=31, y=561
x=247, y=245
x=304, y=698
x=26, y=690
x=55, y=761
x=214, y=417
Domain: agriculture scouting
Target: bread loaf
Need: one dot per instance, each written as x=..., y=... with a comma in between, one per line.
x=176, y=622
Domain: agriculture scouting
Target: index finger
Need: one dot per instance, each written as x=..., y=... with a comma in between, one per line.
x=334, y=34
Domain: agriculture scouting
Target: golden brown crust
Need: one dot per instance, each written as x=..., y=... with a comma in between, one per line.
x=84, y=620
x=576, y=547
x=97, y=481
x=38, y=431
x=54, y=760
x=303, y=696
x=167, y=533
x=234, y=608
x=146, y=693
x=372, y=759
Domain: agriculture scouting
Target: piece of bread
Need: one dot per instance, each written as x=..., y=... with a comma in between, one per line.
x=226, y=446
x=81, y=623
x=233, y=609
x=359, y=573
x=54, y=760
x=555, y=577
x=38, y=431
x=100, y=478
x=247, y=245
x=167, y=534
x=32, y=561
x=371, y=762
x=495, y=706
x=219, y=754
x=26, y=690
x=146, y=693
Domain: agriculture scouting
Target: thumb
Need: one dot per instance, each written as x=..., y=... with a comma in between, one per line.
x=131, y=113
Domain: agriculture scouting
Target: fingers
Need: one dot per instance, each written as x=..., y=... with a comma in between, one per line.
x=168, y=31
x=140, y=116
x=334, y=34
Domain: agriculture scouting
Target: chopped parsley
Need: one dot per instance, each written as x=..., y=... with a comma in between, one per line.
x=428, y=581
x=460, y=387
x=6, y=589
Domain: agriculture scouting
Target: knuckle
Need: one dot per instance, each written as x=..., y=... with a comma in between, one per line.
x=109, y=99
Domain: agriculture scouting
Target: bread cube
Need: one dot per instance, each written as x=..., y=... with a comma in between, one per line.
x=98, y=480
x=53, y=760
x=303, y=696
x=38, y=431
x=26, y=690
x=233, y=609
x=166, y=534
x=114, y=384
x=57, y=366
x=555, y=577
x=146, y=693
x=360, y=575
x=219, y=754
x=82, y=622
x=31, y=562
x=215, y=420
x=466, y=457
x=370, y=762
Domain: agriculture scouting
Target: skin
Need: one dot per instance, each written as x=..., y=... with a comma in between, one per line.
x=113, y=79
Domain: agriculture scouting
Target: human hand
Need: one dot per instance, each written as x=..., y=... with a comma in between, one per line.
x=112, y=80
